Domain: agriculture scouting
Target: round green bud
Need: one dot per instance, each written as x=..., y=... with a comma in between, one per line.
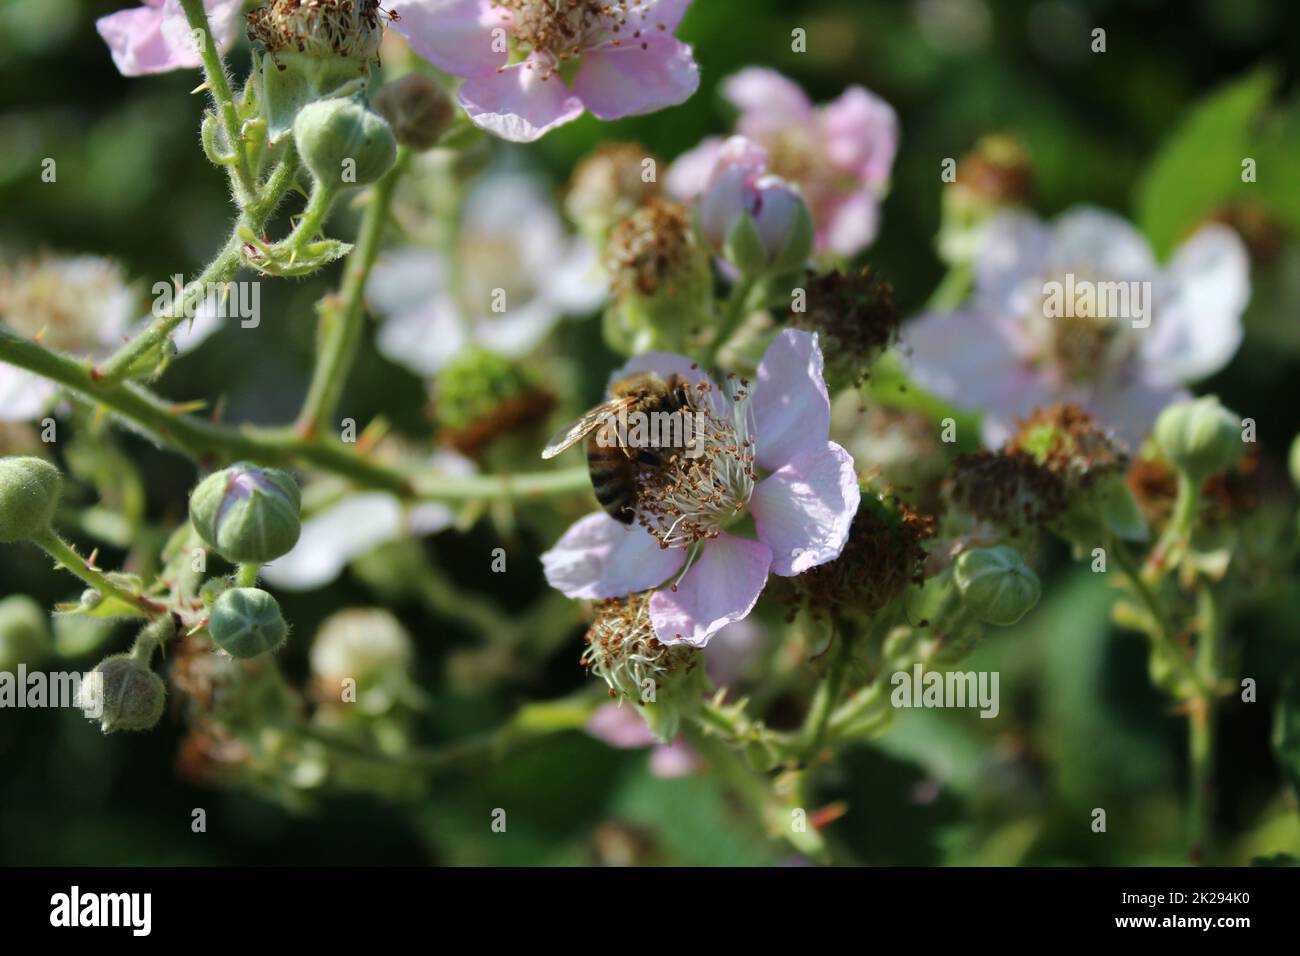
x=996, y=584
x=343, y=142
x=124, y=694
x=24, y=632
x=246, y=622
x=1200, y=437
x=29, y=494
x=418, y=110
x=248, y=515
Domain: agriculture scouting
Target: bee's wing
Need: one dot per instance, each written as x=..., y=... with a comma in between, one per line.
x=576, y=431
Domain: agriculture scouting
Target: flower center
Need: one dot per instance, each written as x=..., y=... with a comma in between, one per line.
x=622, y=648
x=652, y=248
x=1083, y=333
x=319, y=28
x=560, y=30
x=699, y=490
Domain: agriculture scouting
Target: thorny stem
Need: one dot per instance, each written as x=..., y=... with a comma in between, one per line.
x=738, y=307
x=341, y=325
x=223, y=100
x=118, y=367
x=212, y=444
x=828, y=693
x=69, y=560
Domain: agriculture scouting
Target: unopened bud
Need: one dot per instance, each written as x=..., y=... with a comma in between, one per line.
x=332, y=132
x=248, y=514
x=246, y=622
x=1199, y=437
x=996, y=584
x=418, y=110
x=131, y=696
x=29, y=495
x=24, y=632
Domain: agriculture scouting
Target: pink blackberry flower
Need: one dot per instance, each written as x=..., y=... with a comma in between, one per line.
x=766, y=456
x=839, y=155
x=532, y=65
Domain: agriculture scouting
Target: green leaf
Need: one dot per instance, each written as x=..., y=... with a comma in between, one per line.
x=1199, y=166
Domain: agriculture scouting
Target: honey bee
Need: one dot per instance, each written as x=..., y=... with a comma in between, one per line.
x=613, y=465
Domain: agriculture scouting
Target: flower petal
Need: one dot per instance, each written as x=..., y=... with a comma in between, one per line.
x=515, y=103
x=861, y=132
x=638, y=76
x=768, y=102
x=136, y=42
x=804, y=509
x=792, y=410
x=453, y=35
x=851, y=225
x=1086, y=239
x=1199, y=329
x=721, y=587
x=691, y=171
x=600, y=558
x=665, y=15
x=335, y=536
x=423, y=339
x=1129, y=409
x=620, y=727
x=677, y=759
x=23, y=395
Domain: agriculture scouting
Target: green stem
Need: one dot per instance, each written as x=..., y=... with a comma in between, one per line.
x=213, y=445
x=118, y=367
x=828, y=692
x=734, y=313
x=246, y=576
x=1202, y=728
x=341, y=327
x=1179, y=529
x=223, y=100
x=69, y=560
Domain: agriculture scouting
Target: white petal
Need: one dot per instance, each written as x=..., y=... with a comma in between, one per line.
x=600, y=558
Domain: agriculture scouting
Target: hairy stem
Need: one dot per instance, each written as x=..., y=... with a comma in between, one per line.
x=69, y=560
x=341, y=326
x=223, y=100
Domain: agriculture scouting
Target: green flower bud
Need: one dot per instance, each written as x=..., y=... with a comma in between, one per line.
x=246, y=622
x=24, y=632
x=1200, y=437
x=247, y=514
x=418, y=110
x=126, y=694
x=368, y=646
x=343, y=142
x=29, y=495
x=996, y=584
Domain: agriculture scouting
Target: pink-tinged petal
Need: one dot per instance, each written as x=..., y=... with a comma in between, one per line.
x=768, y=102
x=224, y=17
x=620, y=726
x=1198, y=330
x=600, y=558
x=136, y=42
x=691, y=171
x=638, y=76
x=1129, y=409
x=721, y=587
x=515, y=103
x=861, y=132
x=1100, y=245
x=1011, y=261
x=677, y=759
x=852, y=226
x=454, y=35
x=664, y=364
x=732, y=651
x=647, y=15
x=804, y=509
x=792, y=410
x=976, y=362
